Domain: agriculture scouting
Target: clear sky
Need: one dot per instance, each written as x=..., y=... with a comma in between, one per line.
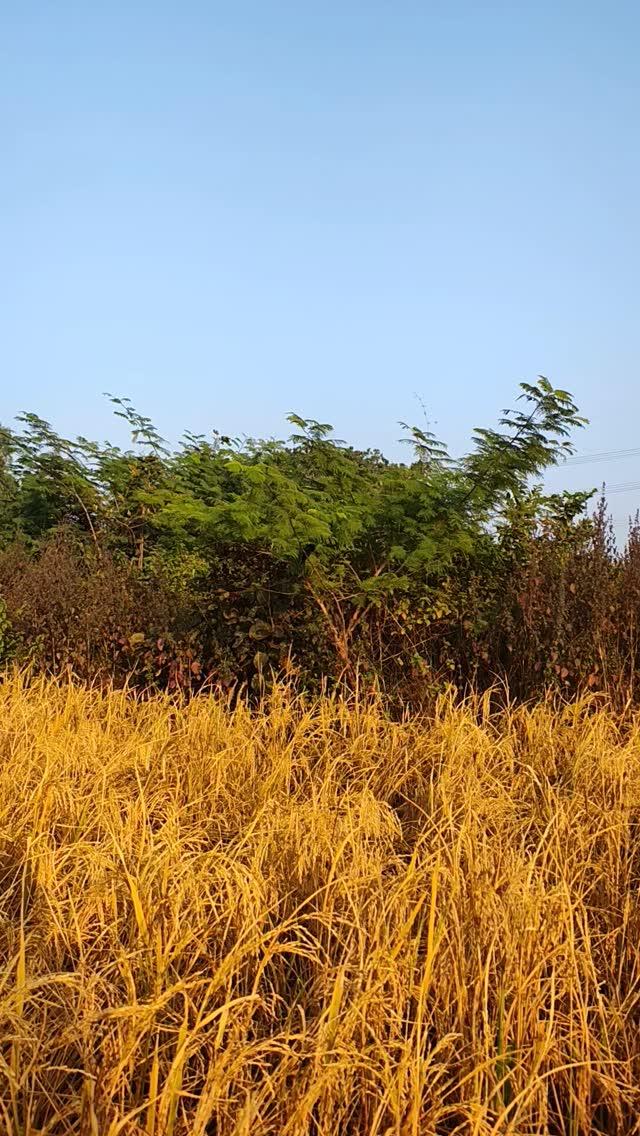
x=231, y=211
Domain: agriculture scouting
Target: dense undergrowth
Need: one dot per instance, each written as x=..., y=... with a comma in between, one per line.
x=311, y=920
x=555, y=610
x=225, y=562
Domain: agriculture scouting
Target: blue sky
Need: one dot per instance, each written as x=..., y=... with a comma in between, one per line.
x=230, y=211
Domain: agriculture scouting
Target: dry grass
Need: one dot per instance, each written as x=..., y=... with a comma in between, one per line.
x=314, y=921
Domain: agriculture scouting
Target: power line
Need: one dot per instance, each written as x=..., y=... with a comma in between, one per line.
x=618, y=487
x=603, y=456
x=622, y=487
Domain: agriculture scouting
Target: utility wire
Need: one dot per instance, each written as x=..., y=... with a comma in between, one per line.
x=619, y=487
x=603, y=456
x=622, y=487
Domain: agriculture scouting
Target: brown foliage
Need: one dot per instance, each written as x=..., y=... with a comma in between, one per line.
x=559, y=608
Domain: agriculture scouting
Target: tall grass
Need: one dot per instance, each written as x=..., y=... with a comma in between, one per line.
x=313, y=920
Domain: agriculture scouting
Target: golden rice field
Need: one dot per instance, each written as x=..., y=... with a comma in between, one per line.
x=311, y=921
